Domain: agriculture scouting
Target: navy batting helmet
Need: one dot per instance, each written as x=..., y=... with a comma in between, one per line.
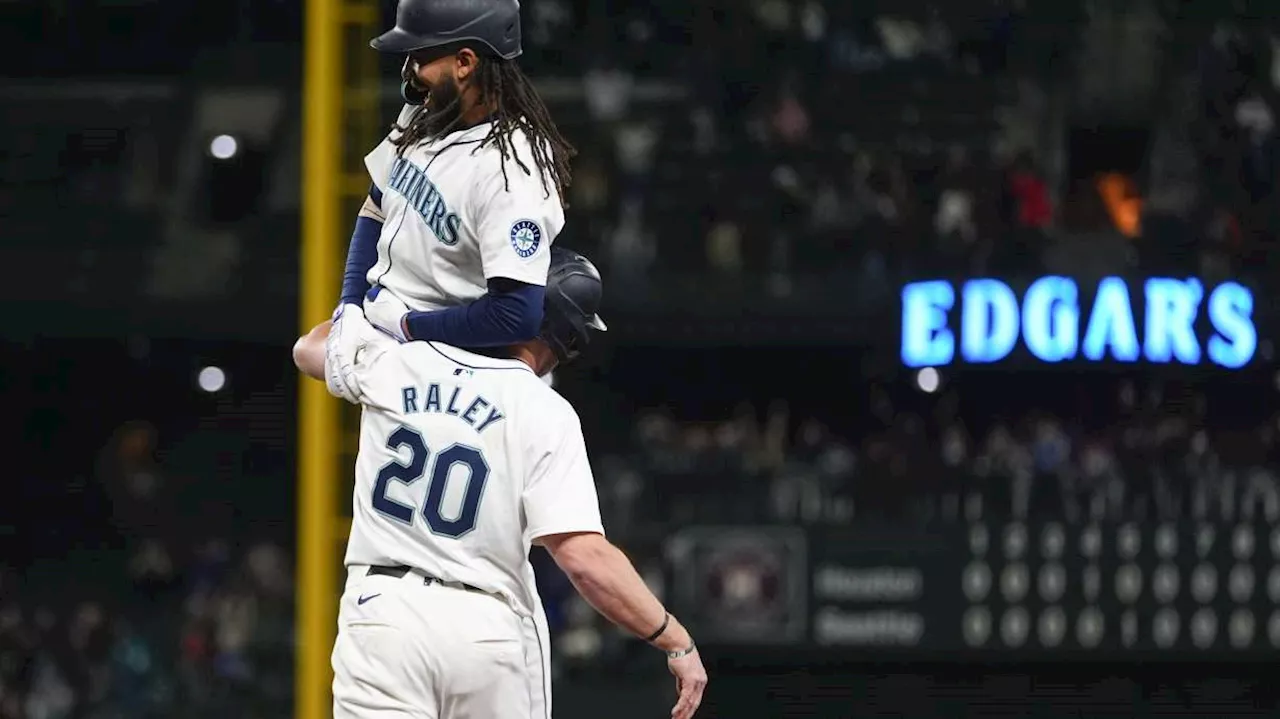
x=423, y=24
x=574, y=293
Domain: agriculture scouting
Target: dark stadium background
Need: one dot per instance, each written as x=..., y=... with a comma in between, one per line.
x=758, y=179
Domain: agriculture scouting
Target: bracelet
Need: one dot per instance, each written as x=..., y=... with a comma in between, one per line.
x=665, y=621
x=683, y=652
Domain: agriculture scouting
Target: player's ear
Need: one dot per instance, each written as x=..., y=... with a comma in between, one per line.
x=465, y=63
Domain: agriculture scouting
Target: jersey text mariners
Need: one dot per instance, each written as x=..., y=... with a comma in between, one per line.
x=453, y=222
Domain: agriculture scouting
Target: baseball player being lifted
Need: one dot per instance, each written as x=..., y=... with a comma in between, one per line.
x=465, y=461
x=453, y=241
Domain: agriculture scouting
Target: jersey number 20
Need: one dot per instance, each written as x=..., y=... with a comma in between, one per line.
x=469, y=457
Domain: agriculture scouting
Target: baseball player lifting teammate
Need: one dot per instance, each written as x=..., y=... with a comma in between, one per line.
x=467, y=190
x=465, y=461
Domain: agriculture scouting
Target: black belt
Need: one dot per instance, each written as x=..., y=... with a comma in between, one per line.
x=399, y=572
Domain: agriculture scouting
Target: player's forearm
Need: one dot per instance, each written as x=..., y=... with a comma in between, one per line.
x=308, y=351
x=608, y=582
x=362, y=253
x=507, y=315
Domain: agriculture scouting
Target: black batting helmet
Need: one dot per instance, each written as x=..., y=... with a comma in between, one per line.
x=423, y=24
x=574, y=293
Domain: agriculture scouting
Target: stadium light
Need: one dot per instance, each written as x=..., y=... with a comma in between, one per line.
x=224, y=147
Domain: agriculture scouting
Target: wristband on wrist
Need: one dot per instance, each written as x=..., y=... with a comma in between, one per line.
x=666, y=620
x=683, y=652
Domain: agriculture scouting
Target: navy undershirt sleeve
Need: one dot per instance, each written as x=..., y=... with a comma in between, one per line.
x=511, y=312
x=361, y=254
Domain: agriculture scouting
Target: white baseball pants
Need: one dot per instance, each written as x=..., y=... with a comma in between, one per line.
x=407, y=649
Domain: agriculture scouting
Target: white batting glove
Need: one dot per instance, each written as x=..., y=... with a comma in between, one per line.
x=386, y=312
x=348, y=335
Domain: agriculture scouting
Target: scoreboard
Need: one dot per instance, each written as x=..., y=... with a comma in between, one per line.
x=992, y=589
x=1196, y=587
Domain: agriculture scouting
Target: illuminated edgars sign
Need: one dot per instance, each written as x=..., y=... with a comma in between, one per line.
x=1171, y=321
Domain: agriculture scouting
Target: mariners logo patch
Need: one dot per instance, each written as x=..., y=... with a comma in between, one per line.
x=525, y=238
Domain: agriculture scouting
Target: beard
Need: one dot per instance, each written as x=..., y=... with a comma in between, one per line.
x=444, y=107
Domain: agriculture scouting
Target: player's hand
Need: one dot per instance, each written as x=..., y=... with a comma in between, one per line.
x=349, y=333
x=386, y=312
x=691, y=680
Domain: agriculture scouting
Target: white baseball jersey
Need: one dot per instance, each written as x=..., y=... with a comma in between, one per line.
x=465, y=460
x=451, y=223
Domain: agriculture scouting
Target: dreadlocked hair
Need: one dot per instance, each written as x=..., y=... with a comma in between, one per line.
x=517, y=106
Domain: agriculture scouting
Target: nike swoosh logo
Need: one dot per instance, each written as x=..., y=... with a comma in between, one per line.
x=362, y=600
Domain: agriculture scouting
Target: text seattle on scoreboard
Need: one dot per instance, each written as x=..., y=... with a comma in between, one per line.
x=1159, y=320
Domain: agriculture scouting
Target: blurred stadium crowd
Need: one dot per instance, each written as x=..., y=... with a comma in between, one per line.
x=724, y=144
x=161, y=598
x=1096, y=450
x=871, y=136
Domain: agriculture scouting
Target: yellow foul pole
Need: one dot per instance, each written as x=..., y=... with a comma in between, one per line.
x=339, y=124
x=318, y=418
